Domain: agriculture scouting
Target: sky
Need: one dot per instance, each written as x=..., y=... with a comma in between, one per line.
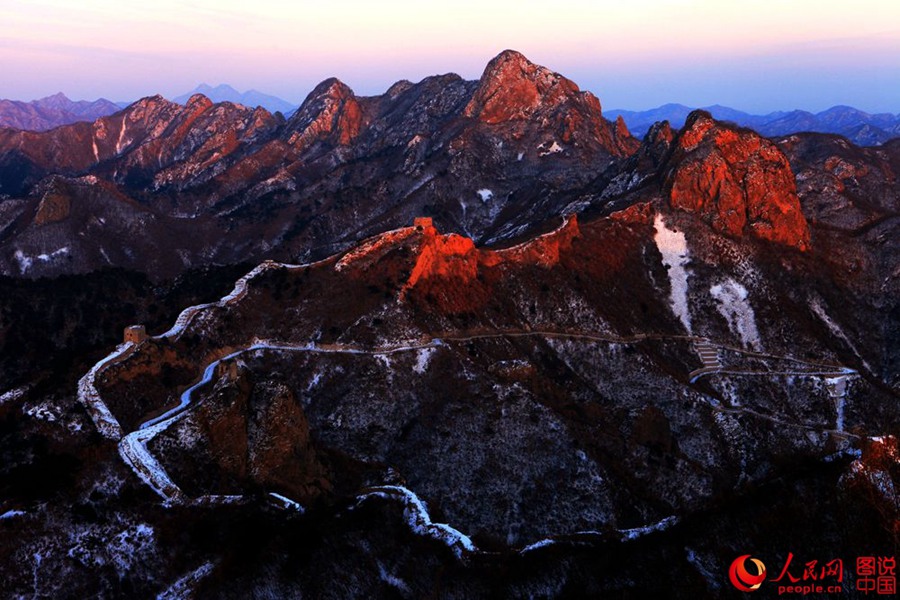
x=633, y=54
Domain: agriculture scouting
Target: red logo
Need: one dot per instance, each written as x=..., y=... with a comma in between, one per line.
x=742, y=579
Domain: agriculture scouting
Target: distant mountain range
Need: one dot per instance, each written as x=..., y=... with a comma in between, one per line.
x=52, y=111
x=250, y=98
x=862, y=128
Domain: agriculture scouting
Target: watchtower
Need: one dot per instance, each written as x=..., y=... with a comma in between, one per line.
x=423, y=222
x=135, y=334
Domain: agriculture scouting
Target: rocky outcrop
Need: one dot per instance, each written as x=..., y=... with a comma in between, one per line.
x=331, y=113
x=735, y=180
x=513, y=89
x=449, y=257
x=55, y=204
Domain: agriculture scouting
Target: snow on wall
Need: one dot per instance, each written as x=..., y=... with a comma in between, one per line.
x=732, y=301
x=420, y=521
x=106, y=423
x=673, y=247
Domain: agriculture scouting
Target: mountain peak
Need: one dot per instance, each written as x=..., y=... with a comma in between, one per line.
x=509, y=57
x=513, y=88
x=330, y=112
x=153, y=100
x=58, y=101
x=209, y=90
x=57, y=96
x=737, y=181
x=331, y=88
x=198, y=100
x=224, y=92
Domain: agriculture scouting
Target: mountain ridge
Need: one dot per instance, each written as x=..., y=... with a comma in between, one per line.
x=250, y=98
x=52, y=111
x=860, y=127
x=410, y=148
x=466, y=339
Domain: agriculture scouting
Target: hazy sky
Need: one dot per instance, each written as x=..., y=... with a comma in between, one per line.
x=758, y=56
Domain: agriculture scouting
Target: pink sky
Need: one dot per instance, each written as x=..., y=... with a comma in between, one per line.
x=759, y=56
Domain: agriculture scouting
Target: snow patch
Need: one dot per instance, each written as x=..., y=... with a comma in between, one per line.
x=12, y=395
x=393, y=580
x=10, y=514
x=423, y=357
x=53, y=255
x=485, y=194
x=838, y=388
x=816, y=305
x=120, y=142
x=673, y=246
x=24, y=261
x=553, y=149
x=316, y=378
x=42, y=412
x=708, y=573
x=184, y=587
x=733, y=305
x=128, y=547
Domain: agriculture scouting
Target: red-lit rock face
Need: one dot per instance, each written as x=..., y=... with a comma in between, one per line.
x=452, y=272
x=512, y=88
x=445, y=256
x=544, y=250
x=331, y=112
x=875, y=476
x=737, y=181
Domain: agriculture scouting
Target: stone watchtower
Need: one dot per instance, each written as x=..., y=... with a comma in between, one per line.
x=135, y=334
x=423, y=222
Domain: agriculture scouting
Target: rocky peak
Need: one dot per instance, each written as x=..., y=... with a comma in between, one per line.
x=737, y=181
x=398, y=88
x=331, y=112
x=621, y=127
x=659, y=133
x=154, y=101
x=150, y=110
x=436, y=256
x=57, y=101
x=514, y=88
x=656, y=145
x=198, y=101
